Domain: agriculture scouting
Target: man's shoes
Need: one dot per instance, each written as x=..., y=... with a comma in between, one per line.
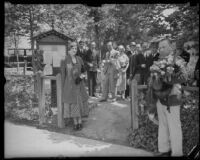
x=102, y=100
x=80, y=126
x=163, y=154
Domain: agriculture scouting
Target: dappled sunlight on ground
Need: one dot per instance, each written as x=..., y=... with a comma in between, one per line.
x=24, y=141
x=120, y=104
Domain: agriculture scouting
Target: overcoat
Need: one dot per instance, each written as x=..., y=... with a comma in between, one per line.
x=70, y=90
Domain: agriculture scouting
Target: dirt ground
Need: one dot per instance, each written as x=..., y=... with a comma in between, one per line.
x=107, y=121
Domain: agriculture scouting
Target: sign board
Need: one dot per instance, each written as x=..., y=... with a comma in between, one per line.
x=53, y=54
x=48, y=69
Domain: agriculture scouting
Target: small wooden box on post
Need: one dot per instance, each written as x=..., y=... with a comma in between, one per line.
x=55, y=47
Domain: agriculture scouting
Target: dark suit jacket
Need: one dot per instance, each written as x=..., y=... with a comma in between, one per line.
x=83, y=56
x=93, y=58
x=155, y=56
x=149, y=62
x=128, y=53
x=132, y=65
x=140, y=59
x=185, y=55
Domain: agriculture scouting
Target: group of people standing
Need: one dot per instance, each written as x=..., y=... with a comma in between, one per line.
x=119, y=67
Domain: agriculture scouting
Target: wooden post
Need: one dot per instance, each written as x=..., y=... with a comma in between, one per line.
x=41, y=96
x=25, y=61
x=134, y=104
x=17, y=60
x=59, y=101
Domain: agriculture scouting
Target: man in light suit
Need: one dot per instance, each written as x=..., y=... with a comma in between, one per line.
x=111, y=72
x=168, y=108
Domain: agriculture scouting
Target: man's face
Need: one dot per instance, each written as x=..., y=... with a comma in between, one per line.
x=164, y=48
x=109, y=46
x=132, y=47
x=121, y=50
x=128, y=48
x=138, y=48
x=81, y=45
x=93, y=45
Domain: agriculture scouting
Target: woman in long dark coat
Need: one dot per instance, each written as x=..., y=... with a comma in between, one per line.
x=74, y=97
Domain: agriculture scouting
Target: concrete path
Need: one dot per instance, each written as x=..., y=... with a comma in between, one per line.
x=25, y=141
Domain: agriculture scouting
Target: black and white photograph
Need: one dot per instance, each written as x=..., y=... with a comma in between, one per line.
x=113, y=80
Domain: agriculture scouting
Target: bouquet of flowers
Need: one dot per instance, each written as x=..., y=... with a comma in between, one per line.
x=111, y=61
x=123, y=63
x=166, y=75
x=168, y=71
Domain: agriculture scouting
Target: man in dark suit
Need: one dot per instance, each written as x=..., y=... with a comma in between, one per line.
x=140, y=65
x=82, y=52
x=128, y=53
x=132, y=61
x=92, y=60
x=148, y=57
x=154, y=50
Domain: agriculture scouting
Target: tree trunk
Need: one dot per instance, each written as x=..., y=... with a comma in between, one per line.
x=32, y=47
x=16, y=52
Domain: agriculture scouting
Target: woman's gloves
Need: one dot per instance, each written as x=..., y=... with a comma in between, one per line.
x=79, y=79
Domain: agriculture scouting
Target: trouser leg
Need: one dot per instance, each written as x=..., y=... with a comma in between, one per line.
x=137, y=77
x=163, y=130
x=105, y=87
x=113, y=86
x=89, y=82
x=127, y=90
x=94, y=82
x=175, y=130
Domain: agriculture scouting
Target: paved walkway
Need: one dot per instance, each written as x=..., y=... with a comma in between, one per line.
x=26, y=141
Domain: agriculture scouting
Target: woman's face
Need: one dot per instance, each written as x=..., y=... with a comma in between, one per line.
x=121, y=50
x=73, y=51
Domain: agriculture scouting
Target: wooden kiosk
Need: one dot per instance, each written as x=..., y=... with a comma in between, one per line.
x=54, y=46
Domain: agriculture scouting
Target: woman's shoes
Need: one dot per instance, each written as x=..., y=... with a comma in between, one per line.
x=75, y=127
x=78, y=127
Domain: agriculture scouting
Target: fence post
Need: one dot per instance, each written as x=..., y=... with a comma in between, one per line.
x=59, y=102
x=25, y=61
x=134, y=104
x=41, y=96
x=17, y=61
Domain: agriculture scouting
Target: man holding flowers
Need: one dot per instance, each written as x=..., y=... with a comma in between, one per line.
x=164, y=93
